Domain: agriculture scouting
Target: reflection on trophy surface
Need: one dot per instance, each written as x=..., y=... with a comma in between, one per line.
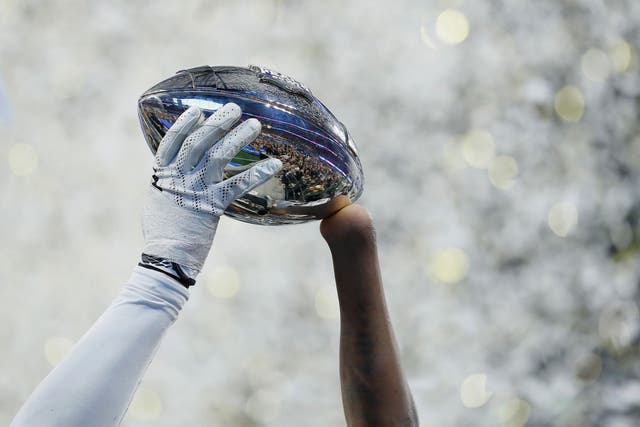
x=321, y=170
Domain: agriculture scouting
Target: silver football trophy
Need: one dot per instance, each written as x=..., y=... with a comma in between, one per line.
x=321, y=170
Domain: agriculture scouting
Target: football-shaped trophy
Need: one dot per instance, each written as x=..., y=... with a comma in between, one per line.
x=321, y=170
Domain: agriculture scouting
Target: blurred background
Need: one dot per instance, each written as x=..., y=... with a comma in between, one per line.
x=501, y=147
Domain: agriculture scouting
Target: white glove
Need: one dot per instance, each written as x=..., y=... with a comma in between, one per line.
x=188, y=195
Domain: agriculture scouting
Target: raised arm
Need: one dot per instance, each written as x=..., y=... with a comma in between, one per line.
x=374, y=390
x=93, y=385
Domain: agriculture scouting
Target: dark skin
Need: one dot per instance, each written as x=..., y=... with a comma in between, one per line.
x=374, y=390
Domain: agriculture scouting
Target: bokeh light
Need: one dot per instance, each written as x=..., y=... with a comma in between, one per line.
x=569, y=103
x=449, y=265
x=514, y=412
x=589, y=368
x=503, y=172
x=56, y=348
x=146, y=404
x=473, y=391
x=23, y=159
x=223, y=282
x=563, y=218
x=326, y=302
x=452, y=27
x=621, y=56
x=478, y=148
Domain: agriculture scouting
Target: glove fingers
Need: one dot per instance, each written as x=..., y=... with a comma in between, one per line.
x=176, y=134
x=208, y=134
x=239, y=185
x=225, y=150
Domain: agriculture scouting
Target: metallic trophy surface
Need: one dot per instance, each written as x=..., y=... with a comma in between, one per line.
x=321, y=170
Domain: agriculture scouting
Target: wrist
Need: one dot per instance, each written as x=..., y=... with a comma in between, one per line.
x=177, y=234
x=182, y=275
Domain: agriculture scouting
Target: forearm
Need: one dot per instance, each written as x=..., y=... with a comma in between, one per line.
x=94, y=384
x=374, y=390
x=374, y=393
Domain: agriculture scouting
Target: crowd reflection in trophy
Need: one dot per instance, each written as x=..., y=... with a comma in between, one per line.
x=305, y=178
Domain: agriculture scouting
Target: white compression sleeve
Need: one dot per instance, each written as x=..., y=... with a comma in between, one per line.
x=95, y=383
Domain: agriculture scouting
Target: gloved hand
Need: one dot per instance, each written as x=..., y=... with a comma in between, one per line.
x=187, y=194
